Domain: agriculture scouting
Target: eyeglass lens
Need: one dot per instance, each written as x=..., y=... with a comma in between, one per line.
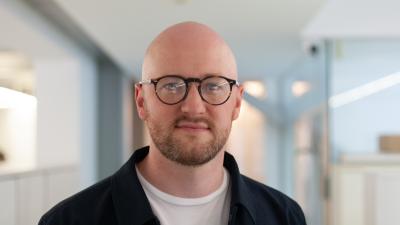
x=214, y=90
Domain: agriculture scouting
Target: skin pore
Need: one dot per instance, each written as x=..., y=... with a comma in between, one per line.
x=187, y=139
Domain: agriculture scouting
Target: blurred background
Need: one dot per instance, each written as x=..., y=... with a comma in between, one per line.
x=320, y=121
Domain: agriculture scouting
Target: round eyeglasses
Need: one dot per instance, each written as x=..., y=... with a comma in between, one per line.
x=172, y=89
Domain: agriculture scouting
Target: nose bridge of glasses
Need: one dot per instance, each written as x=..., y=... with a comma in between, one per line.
x=196, y=87
x=192, y=80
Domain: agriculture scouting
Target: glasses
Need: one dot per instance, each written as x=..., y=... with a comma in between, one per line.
x=172, y=89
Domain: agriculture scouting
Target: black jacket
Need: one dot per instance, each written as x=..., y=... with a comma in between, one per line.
x=120, y=200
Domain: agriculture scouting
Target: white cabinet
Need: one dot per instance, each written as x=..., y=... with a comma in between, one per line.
x=348, y=197
x=366, y=194
x=7, y=202
x=31, y=199
x=383, y=191
x=26, y=196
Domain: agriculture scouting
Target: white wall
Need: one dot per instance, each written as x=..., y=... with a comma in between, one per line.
x=247, y=142
x=66, y=88
x=66, y=93
x=87, y=120
x=357, y=126
x=58, y=111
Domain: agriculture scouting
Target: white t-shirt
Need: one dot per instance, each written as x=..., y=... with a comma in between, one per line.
x=212, y=209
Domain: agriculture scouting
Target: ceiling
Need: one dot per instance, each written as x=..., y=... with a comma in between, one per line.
x=21, y=43
x=345, y=19
x=265, y=35
x=19, y=35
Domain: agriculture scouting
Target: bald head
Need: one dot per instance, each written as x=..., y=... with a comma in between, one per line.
x=188, y=49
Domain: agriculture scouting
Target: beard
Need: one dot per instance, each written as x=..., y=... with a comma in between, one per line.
x=187, y=149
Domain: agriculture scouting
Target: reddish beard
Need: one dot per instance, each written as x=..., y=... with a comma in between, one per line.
x=185, y=149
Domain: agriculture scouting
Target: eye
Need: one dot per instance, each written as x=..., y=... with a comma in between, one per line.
x=173, y=86
x=213, y=87
x=170, y=86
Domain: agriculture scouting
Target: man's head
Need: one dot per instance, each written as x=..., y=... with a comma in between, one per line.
x=192, y=131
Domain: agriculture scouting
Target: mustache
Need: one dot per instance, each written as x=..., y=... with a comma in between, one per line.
x=194, y=120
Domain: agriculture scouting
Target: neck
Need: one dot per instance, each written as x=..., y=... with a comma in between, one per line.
x=179, y=180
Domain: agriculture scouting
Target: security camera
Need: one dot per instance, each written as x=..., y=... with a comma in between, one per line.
x=311, y=48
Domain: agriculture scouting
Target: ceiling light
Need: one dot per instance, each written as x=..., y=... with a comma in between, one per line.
x=255, y=88
x=364, y=90
x=300, y=88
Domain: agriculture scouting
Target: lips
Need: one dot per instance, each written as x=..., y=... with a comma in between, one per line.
x=189, y=125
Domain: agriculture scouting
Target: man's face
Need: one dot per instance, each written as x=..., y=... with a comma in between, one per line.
x=191, y=132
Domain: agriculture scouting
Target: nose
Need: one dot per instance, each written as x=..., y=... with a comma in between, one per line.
x=193, y=103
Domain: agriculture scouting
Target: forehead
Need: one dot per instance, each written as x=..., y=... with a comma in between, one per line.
x=191, y=62
x=177, y=77
x=189, y=56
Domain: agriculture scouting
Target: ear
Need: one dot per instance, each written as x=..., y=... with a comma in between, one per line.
x=139, y=99
x=238, y=102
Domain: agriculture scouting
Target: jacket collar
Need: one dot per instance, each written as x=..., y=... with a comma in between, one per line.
x=241, y=196
x=129, y=198
x=133, y=208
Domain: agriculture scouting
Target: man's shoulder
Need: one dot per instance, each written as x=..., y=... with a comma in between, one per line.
x=281, y=205
x=83, y=207
x=263, y=191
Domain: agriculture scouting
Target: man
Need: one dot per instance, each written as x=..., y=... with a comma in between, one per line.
x=188, y=98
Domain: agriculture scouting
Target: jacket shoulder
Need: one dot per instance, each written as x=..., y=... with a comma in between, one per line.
x=85, y=207
x=278, y=204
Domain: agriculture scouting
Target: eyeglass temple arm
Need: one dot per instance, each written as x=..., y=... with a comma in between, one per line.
x=145, y=82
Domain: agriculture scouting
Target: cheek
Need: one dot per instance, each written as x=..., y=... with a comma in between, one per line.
x=224, y=116
x=160, y=116
x=231, y=112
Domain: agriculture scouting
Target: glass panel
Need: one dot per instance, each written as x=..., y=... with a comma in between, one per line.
x=365, y=95
x=286, y=126
x=365, y=130
x=306, y=150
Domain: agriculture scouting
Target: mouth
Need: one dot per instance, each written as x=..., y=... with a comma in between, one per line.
x=192, y=126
